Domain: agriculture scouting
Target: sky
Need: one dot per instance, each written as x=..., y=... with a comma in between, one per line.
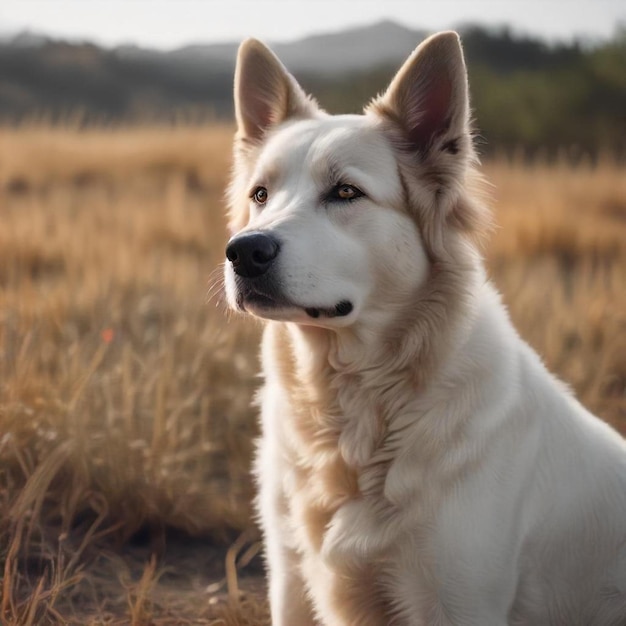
x=168, y=24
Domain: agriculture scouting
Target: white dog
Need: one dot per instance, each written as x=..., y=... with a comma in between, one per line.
x=418, y=464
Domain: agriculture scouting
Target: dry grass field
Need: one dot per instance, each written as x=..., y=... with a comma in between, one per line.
x=125, y=426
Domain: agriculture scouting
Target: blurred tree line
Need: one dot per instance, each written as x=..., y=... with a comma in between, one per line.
x=526, y=95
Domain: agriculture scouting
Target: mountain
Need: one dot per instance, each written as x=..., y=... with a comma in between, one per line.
x=354, y=49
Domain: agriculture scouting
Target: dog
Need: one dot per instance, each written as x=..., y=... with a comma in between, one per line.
x=418, y=465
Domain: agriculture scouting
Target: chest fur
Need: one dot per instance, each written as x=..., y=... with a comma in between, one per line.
x=327, y=437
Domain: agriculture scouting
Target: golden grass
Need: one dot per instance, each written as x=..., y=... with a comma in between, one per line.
x=559, y=257
x=125, y=425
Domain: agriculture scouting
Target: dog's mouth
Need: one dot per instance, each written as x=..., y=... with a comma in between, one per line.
x=341, y=309
x=278, y=308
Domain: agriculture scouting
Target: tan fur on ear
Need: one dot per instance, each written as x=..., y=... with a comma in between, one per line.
x=428, y=97
x=265, y=92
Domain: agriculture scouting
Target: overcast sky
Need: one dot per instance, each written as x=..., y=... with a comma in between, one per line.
x=172, y=23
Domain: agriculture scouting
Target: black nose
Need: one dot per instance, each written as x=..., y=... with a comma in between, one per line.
x=251, y=253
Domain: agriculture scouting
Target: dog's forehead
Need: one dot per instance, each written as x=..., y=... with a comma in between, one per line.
x=329, y=143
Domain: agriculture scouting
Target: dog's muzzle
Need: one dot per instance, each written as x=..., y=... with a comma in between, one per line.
x=251, y=255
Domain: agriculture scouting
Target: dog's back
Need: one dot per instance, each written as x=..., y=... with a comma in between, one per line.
x=546, y=493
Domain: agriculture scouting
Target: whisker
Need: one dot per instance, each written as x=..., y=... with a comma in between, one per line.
x=216, y=285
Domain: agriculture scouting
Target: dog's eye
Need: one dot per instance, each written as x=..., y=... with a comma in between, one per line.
x=345, y=192
x=260, y=195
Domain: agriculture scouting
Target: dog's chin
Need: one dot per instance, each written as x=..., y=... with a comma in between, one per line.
x=338, y=315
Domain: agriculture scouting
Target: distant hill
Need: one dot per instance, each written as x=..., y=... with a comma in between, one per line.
x=525, y=92
x=354, y=49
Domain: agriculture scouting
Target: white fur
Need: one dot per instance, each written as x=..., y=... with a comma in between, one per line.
x=485, y=494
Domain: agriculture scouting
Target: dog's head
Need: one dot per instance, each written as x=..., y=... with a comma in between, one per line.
x=338, y=219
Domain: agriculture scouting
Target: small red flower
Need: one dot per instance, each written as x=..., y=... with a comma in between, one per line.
x=108, y=334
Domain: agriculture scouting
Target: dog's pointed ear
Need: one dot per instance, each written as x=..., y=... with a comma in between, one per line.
x=428, y=97
x=266, y=94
